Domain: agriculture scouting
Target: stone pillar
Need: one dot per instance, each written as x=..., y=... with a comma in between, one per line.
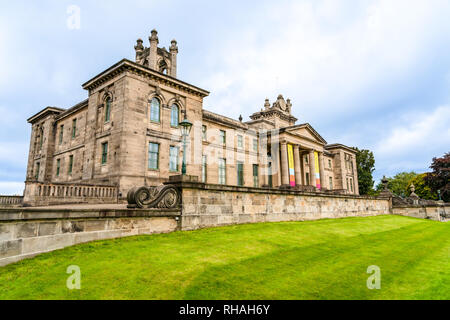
x=312, y=169
x=173, y=60
x=277, y=168
x=322, y=171
x=298, y=171
x=153, y=50
x=264, y=171
x=284, y=164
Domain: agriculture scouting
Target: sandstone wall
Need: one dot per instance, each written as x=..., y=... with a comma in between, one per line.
x=212, y=205
x=436, y=212
x=24, y=233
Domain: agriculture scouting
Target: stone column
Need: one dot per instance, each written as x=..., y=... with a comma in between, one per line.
x=277, y=167
x=284, y=164
x=264, y=169
x=298, y=171
x=322, y=171
x=312, y=169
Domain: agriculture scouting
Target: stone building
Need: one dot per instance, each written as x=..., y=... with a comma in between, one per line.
x=126, y=134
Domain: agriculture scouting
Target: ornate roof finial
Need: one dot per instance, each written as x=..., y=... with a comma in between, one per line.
x=240, y=118
x=154, y=36
x=173, y=46
x=266, y=104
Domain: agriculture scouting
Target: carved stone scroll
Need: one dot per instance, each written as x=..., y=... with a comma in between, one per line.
x=163, y=197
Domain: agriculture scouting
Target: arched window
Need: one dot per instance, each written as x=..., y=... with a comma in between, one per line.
x=174, y=116
x=154, y=110
x=107, y=109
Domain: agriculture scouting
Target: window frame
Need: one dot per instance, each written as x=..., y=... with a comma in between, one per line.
x=222, y=165
x=177, y=158
x=256, y=177
x=153, y=152
x=74, y=128
x=204, y=133
x=240, y=173
x=240, y=141
x=70, y=168
x=38, y=168
x=58, y=167
x=105, y=147
x=172, y=108
x=151, y=112
x=255, y=144
x=107, y=110
x=223, y=137
x=61, y=134
x=204, y=168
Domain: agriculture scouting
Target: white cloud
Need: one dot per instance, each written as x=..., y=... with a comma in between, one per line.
x=319, y=54
x=11, y=188
x=417, y=133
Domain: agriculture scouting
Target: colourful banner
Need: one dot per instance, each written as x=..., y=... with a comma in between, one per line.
x=316, y=161
x=291, y=165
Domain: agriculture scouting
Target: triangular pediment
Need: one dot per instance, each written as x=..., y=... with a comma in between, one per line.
x=307, y=131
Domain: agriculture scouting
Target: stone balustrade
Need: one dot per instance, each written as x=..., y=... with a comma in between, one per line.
x=11, y=201
x=41, y=194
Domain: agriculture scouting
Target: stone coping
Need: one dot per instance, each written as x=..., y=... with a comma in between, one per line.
x=24, y=214
x=435, y=205
x=287, y=191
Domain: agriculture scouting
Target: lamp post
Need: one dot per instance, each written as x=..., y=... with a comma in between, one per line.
x=185, y=127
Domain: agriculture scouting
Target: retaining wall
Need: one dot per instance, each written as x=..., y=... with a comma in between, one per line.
x=27, y=232
x=212, y=205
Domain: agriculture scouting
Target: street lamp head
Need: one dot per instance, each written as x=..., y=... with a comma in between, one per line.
x=185, y=127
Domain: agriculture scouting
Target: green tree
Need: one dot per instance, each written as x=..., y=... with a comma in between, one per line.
x=439, y=179
x=423, y=190
x=399, y=183
x=365, y=162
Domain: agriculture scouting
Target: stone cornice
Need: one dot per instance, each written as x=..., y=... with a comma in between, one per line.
x=127, y=65
x=72, y=110
x=340, y=146
x=214, y=117
x=273, y=112
x=44, y=112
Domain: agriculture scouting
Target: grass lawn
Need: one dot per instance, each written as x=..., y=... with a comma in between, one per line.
x=325, y=259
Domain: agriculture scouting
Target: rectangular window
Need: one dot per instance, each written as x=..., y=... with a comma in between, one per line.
x=329, y=163
x=173, y=159
x=61, y=133
x=38, y=168
x=204, y=168
x=240, y=141
x=204, y=136
x=347, y=185
x=58, y=167
x=306, y=159
x=41, y=138
x=223, y=137
x=153, y=156
x=240, y=174
x=307, y=179
x=107, y=110
x=255, y=145
x=154, y=110
x=104, y=152
x=255, y=176
x=351, y=184
x=70, y=164
x=331, y=183
x=222, y=171
x=74, y=128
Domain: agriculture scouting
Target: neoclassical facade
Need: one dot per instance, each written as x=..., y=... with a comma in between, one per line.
x=126, y=134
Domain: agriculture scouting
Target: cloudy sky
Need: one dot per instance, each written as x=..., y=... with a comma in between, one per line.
x=373, y=74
